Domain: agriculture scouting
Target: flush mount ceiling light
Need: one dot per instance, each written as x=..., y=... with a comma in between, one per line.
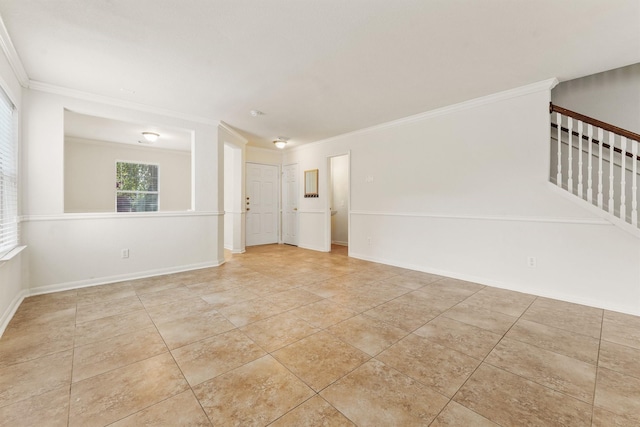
x=151, y=136
x=256, y=113
x=280, y=143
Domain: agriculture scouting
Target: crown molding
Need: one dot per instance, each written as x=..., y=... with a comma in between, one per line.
x=265, y=150
x=12, y=56
x=465, y=105
x=233, y=132
x=107, y=100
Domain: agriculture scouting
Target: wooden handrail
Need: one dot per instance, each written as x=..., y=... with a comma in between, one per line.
x=595, y=122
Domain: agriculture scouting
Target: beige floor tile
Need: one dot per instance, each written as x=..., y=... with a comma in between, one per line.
x=214, y=356
x=367, y=334
x=510, y=400
x=621, y=329
x=581, y=347
x=428, y=302
x=229, y=297
x=564, y=315
x=102, y=356
x=438, y=367
x=35, y=377
x=482, y=318
x=180, y=309
x=358, y=301
x=553, y=370
x=278, y=331
x=315, y=412
x=117, y=394
x=453, y=287
x=165, y=296
x=17, y=346
x=254, y=394
x=329, y=288
x=502, y=301
x=293, y=298
x=109, y=327
x=402, y=315
x=212, y=287
x=467, y=339
x=103, y=293
x=147, y=286
x=377, y=395
x=180, y=410
x=384, y=290
x=602, y=418
x=108, y=308
x=456, y=415
x=320, y=359
x=618, y=393
x=324, y=313
x=247, y=312
x=620, y=358
x=414, y=279
x=49, y=409
x=36, y=317
x=186, y=330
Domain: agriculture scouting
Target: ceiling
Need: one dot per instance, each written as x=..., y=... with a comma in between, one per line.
x=83, y=126
x=315, y=68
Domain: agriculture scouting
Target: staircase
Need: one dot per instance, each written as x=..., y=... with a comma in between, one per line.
x=596, y=162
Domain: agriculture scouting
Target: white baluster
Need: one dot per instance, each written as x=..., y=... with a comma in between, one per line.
x=634, y=186
x=570, y=168
x=580, y=184
x=559, y=174
x=623, y=179
x=590, y=165
x=612, y=140
x=600, y=142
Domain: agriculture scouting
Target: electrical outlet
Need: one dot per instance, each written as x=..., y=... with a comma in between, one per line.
x=531, y=262
x=369, y=241
x=124, y=253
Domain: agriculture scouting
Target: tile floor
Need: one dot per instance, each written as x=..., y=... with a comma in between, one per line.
x=287, y=337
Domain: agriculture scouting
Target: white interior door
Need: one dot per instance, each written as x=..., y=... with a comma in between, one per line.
x=290, y=205
x=262, y=204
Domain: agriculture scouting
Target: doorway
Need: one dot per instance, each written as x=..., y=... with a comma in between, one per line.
x=290, y=204
x=262, y=204
x=339, y=200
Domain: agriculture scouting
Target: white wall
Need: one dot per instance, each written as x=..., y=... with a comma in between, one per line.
x=89, y=174
x=234, y=189
x=264, y=156
x=13, y=272
x=612, y=96
x=67, y=250
x=340, y=199
x=464, y=192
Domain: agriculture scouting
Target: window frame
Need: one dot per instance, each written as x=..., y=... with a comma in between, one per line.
x=12, y=177
x=118, y=191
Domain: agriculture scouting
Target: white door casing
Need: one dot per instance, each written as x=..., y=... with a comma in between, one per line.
x=290, y=204
x=262, y=204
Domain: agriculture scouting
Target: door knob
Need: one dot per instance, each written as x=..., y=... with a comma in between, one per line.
x=295, y=209
x=248, y=209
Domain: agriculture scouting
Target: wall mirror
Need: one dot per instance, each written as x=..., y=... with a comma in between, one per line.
x=109, y=166
x=311, y=183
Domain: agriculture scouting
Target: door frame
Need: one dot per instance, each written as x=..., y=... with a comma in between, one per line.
x=278, y=231
x=283, y=183
x=327, y=207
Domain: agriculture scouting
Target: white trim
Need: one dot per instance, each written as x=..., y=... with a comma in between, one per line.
x=591, y=221
x=498, y=284
x=106, y=100
x=312, y=211
x=115, y=215
x=11, y=310
x=11, y=254
x=12, y=56
x=233, y=132
x=264, y=150
x=605, y=215
x=545, y=85
x=119, y=278
x=313, y=248
x=335, y=242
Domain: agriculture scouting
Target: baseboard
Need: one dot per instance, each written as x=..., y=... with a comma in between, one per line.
x=336, y=242
x=120, y=278
x=497, y=284
x=11, y=310
x=312, y=248
x=238, y=251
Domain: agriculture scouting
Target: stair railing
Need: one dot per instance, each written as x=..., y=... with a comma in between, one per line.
x=611, y=155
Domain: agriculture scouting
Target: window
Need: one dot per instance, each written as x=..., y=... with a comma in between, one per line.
x=8, y=176
x=136, y=187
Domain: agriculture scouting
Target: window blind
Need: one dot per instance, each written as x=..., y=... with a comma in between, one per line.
x=8, y=176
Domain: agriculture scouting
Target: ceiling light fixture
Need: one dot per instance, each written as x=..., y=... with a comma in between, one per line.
x=151, y=136
x=256, y=113
x=280, y=143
